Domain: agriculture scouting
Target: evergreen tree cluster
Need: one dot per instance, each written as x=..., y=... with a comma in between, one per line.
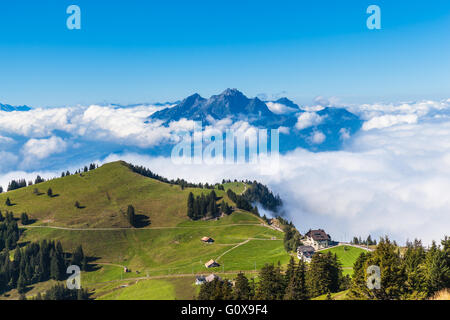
x=298, y=282
x=241, y=202
x=21, y=183
x=17, y=184
x=201, y=207
x=326, y=275
x=35, y=263
x=61, y=292
x=257, y=192
x=417, y=273
x=366, y=242
x=85, y=169
x=9, y=231
x=292, y=237
x=143, y=171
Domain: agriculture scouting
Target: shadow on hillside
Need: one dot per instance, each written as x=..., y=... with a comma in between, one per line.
x=28, y=289
x=141, y=221
x=54, y=195
x=23, y=244
x=91, y=265
x=30, y=221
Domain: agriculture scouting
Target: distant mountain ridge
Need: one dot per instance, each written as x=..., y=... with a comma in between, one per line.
x=9, y=108
x=317, y=131
x=230, y=103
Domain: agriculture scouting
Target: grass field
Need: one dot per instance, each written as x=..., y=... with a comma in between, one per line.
x=347, y=256
x=105, y=194
x=236, y=187
x=168, y=247
x=342, y=295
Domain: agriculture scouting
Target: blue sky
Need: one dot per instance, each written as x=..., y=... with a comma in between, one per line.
x=146, y=51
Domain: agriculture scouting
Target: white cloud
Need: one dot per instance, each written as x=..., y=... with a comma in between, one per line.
x=279, y=108
x=308, y=119
x=389, y=121
x=419, y=108
x=37, y=123
x=284, y=130
x=345, y=134
x=5, y=140
x=317, y=137
x=394, y=180
x=42, y=148
x=7, y=160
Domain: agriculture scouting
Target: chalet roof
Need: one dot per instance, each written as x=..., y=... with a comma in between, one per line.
x=211, y=277
x=305, y=249
x=211, y=263
x=318, y=235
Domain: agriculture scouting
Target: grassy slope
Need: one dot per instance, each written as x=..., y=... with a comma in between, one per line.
x=105, y=192
x=170, y=245
x=342, y=295
x=347, y=255
x=236, y=187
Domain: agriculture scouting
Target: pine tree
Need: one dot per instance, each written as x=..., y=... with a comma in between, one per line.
x=21, y=284
x=78, y=257
x=55, y=268
x=131, y=215
x=271, y=283
x=393, y=275
x=324, y=274
x=290, y=271
x=437, y=269
x=24, y=219
x=190, y=206
x=242, y=290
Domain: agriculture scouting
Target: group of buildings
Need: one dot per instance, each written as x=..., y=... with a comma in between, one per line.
x=314, y=240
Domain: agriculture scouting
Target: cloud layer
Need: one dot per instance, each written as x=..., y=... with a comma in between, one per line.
x=393, y=177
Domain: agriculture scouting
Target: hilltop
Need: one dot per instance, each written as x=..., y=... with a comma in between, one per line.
x=167, y=251
x=104, y=194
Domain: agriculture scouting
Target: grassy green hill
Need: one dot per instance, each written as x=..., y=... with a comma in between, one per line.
x=162, y=256
x=347, y=256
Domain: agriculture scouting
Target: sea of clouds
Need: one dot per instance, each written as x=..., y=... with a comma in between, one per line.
x=392, y=177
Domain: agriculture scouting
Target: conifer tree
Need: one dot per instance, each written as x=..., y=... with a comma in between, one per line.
x=190, y=206
x=131, y=215
x=242, y=290
x=21, y=284
x=24, y=219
